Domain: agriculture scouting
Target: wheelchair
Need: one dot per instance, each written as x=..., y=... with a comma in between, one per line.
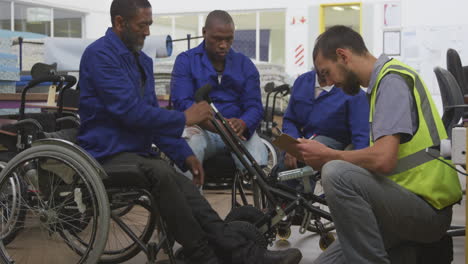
x=59, y=205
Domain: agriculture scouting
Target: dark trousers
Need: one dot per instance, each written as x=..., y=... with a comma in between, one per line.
x=189, y=217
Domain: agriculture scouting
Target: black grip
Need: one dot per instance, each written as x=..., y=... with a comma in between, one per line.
x=202, y=93
x=281, y=88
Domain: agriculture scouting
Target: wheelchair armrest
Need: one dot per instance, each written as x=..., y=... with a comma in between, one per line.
x=29, y=122
x=73, y=119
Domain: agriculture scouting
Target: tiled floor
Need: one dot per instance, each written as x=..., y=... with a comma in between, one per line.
x=220, y=200
x=308, y=242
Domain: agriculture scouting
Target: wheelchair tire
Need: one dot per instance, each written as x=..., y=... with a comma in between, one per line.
x=259, y=198
x=245, y=213
x=250, y=232
x=273, y=153
x=72, y=183
x=19, y=218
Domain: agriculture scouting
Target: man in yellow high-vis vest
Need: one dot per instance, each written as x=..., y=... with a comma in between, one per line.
x=397, y=190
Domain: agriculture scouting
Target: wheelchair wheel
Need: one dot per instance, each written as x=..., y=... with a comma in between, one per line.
x=259, y=198
x=12, y=214
x=140, y=217
x=250, y=232
x=272, y=154
x=64, y=202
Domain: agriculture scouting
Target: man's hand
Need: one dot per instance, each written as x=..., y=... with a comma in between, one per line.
x=290, y=161
x=314, y=153
x=196, y=169
x=238, y=126
x=198, y=113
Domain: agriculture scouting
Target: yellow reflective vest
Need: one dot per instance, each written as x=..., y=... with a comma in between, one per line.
x=417, y=169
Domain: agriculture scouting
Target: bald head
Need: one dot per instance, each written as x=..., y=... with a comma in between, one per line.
x=218, y=17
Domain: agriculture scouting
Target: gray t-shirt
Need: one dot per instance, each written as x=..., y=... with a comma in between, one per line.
x=395, y=108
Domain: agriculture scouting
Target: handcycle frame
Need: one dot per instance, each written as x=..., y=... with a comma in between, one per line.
x=275, y=211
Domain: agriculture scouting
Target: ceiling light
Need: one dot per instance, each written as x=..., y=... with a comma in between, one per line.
x=338, y=8
x=355, y=7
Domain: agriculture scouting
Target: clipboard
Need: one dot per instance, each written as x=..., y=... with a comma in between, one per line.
x=289, y=144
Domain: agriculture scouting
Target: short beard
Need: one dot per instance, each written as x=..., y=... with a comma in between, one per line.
x=351, y=84
x=130, y=39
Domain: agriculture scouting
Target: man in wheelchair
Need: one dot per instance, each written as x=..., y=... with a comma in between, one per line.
x=120, y=120
x=236, y=90
x=326, y=114
x=397, y=191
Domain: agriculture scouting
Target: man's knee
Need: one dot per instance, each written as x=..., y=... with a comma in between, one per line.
x=337, y=173
x=332, y=171
x=196, y=140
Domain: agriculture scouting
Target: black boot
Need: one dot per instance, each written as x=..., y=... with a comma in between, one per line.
x=288, y=256
x=202, y=253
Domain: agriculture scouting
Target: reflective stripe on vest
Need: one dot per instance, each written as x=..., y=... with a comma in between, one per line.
x=417, y=169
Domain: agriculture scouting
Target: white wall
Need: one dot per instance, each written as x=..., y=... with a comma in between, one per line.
x=184, y=6
x=437, y=26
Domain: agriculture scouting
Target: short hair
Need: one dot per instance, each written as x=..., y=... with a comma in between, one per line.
x=338, y=37
x=220, y=16
x=127, y=8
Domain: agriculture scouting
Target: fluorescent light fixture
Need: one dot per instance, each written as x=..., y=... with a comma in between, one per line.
x=355, y=7
x=338, y=8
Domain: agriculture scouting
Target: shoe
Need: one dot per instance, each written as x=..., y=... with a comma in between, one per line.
x=288, y=256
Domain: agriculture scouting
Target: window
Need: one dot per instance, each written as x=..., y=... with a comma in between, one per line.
x=271, y=38
x=38, y=19
x=5, y=15
x=244, y=36
x=67, y=24
x=33, y=19
x=348, y=14
x=272, y=45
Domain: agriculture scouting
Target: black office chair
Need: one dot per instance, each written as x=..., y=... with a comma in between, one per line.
x=451, y=98
x=465, y=72
x=454, y=66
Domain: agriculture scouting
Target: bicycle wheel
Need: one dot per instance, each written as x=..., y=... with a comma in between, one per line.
x=63, y=199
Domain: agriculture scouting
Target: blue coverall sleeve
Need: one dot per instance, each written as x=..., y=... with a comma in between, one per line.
x=358, y=120
x=251, y=99
x=115, y=91
x=176, y=148
x=182, y=86
x=291, y=124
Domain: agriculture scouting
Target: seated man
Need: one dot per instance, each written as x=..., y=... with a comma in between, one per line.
x=236, y=89
x=397, y=190
x=120, y=119
x=327, y=113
